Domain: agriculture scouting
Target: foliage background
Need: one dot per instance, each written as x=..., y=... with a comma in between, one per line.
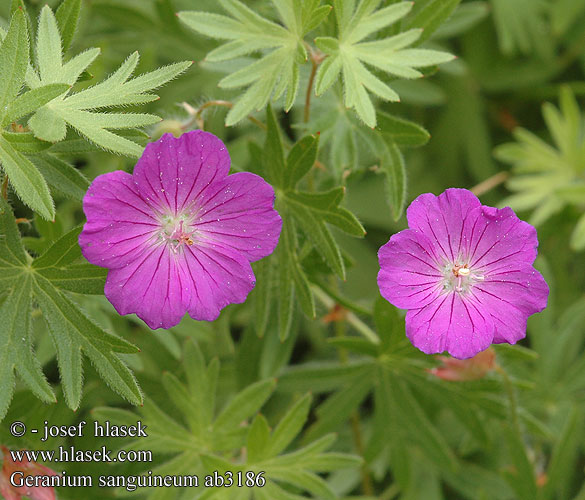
x=311, y=354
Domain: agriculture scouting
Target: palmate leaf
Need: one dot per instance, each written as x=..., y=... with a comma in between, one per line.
x=521, y=26
x=198, y=427
x=298, y=468
x=547, y=177
x=81, y=110
x=46, y=281
x=350, y=52
x=311, y=213
x=277, y=71
x=385, y=369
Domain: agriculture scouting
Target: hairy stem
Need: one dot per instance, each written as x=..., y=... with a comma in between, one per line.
x=315, y=65
x=5, y=188
x=352, y=319
x=196, y=114
x=490, y=183
x=367, y=484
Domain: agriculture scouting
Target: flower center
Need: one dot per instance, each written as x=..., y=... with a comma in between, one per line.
x=174, y=232
x=459, y=277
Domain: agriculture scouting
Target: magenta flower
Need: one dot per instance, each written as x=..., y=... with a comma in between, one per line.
x=464, y=272
x=179, y=234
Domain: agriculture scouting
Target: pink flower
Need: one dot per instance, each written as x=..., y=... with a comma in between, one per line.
x=179, y=234
x=464, y=272
x=458, y=370
x=9, y=467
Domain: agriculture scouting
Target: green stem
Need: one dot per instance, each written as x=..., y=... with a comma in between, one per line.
x=307, y=115
x=367, y=484
x=348, y=304
x=352, y=319
x=511, y=399
x=196, y=117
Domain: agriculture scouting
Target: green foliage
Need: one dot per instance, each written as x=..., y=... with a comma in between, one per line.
x=315, y=350
x=349, y=52
x=46, y=281
x=306, y=211
x=49, y=102
x=547, y=178
x=77, y=110
x=212, y=439
x=277, y=71
x=520, y=25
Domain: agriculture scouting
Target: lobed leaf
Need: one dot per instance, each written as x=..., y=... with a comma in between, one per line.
x=29, y=184
x=347, y=54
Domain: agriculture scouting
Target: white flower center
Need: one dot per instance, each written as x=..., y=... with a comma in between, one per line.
x=459, y=277
x=175, y=232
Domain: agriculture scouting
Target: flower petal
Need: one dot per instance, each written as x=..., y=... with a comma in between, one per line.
x=152, y=286
x=238, y=212
x=119, y=222
x=219, y=276
x=495, y=237
x=172, y=172
x=450, y=323
x=442, y=219
x=410, y=275
x=510, y=295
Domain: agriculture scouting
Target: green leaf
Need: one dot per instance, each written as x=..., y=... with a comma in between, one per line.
x=258, y=438
x=281, y=45
x=355, y=344
x=389, y=326
x=286, y=263
x=522, y=479
x=350, y=52
x=289, y=426
x=30, y=101
x=274, y=164
x=25, y=142
x=307, y=481
x=13, y=60
x=521, y=38
x=68, y=17
x=49, y=50
x=315, y=229
x=13, y=253
x=402, y=132
x=563, y=456
x=415, y=419
x=64, y=251
x=301, y=160
x=29, y=184
x=262, y=295
x=465, y=17
x=62, y=176
x=394, y=168
x=337, y=409
x=80, y=110
x=73, y=332
x=16, y=348
x=48, y=125
x=325, y=206
x=578, y=236
x=432, y=15
x=244, y=405
x=56, y=265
